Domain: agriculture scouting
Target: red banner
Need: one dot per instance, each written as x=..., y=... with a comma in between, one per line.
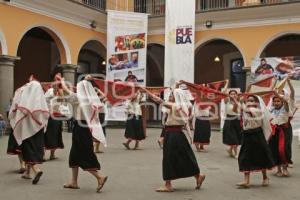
x=204, y=94
x=267, y=83
x=116, y=92
x=266, y=96
x=218, y=85
x=156, y=90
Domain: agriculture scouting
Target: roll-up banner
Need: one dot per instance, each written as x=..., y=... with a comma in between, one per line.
x=179, y=41
x=126, y=53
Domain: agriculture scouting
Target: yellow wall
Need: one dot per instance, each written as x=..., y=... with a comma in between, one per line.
x=16, y=22
x=123, y=5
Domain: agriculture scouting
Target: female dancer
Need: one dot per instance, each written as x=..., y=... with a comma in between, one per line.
x=28, y=117
x=86, y=105
x=53, y=135
x=179, y=160
x=255, y=154
x=202, y=130
x=280, y=140
x=232, y=125
x=134, y=124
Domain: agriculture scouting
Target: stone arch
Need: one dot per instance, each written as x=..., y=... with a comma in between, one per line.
x=63, y=47
x=273, y=39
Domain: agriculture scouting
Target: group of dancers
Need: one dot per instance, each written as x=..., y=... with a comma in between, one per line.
x=263, y=131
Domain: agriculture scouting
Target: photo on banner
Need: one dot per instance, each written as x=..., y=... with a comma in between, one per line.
x=133, y=76
x=280, y=68
x=126, y=53
x=130, y=42
x=123, y=61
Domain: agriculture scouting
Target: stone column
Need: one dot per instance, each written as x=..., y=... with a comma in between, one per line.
x=7, y=64
x=69, y=72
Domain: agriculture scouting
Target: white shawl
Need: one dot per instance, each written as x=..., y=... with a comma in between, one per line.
x=90, y=106
x=183, y=103
x=266, y=118
x=29, y=111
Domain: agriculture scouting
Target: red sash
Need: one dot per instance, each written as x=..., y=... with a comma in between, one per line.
x=173, y=128
x=281, y=142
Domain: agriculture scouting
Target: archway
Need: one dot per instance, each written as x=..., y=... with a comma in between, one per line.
x=92, y=59
x=219, y=59
x=155, y=75
x=282, y=46
x=41, y=51
x=155, y=65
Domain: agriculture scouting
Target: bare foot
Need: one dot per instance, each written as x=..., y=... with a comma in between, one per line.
x=101, y=183
x=126, y=146
x=200, y=181
x=26, y=176
x=285, y=173
x=22, y=170
x=230, y=153
x=71, y=186
x=137, y=148
x=160, y=144
x=53, y=157
x=279, y=174
x=203, y=150
x=243, y=185
x=266, y=182
x=164, y=189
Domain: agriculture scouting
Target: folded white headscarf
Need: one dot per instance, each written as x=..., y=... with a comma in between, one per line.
x=90, y=106
x=29, y=111
x=266, y=118
x=183, y=103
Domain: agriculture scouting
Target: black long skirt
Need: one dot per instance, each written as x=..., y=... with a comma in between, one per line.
x=179, y=160
x=33, y=148
x=255, y=154
x=232, y=131
x=12, y=147
x=53, y=135
x=134, y=128
x=280, y=145
x=82, y=151
x=202, y=132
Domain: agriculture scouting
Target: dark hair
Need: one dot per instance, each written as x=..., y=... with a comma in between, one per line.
x=263, y=59
x=255, y=98
x=93, y=83
x=230, y=91
x=277, y=97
